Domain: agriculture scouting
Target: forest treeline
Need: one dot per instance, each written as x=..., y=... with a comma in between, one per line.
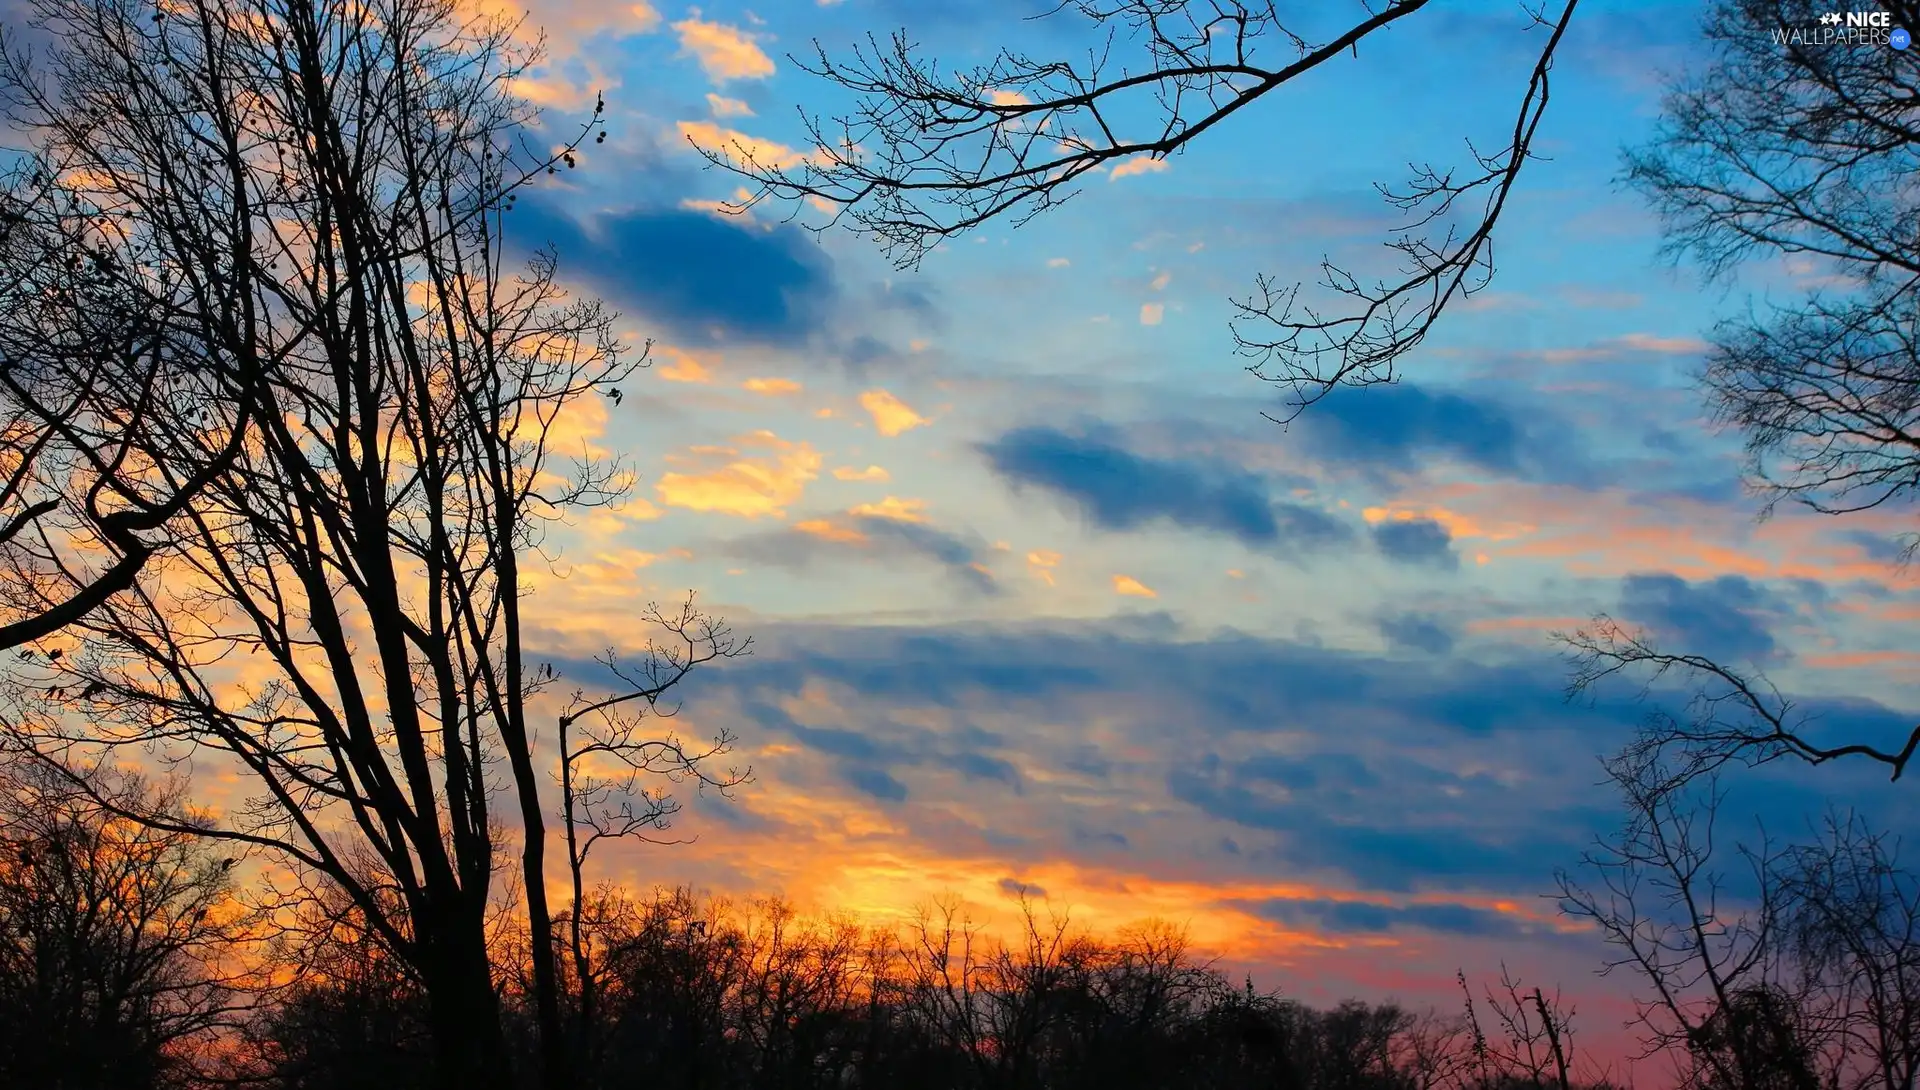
x=129, y=958
x=132, y=957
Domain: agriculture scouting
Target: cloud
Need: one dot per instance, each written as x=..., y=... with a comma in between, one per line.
x=1726, y=617
x=724, y=52
x=772, y=387
x=1120, y=490
x=893, y=508
x=1130, y=587
x=979, y=766
x=1889, y=549
x=1626, y=345
x=1370, y=918
x=871, y=473
x=1416, y=541
x=1401, y=775
x=1334, y=774
x=960, y=556
x=891, y=416
x=681, y=366
x=738, y=146
x=1400, y=427
x=727, y=107
x=1013, y=887
x=703, y=278
x=827, y=530
x=893, y=529
x=1139, y=164
x=1420, y=842
x=1151, y=313
x=746, y=485
x=1414, y=632
x=878, y=784
x=1042, y=562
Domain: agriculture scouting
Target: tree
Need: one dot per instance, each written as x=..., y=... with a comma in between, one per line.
x=605, y=757
x=1534, y=1046
x=349, y=1015
x=321, y=187
x=1800, y=975
x=1852, y=925
x=1802, y=152
x=82, y=324
x=113, y=936
x=928, y=154
x=1708, y=957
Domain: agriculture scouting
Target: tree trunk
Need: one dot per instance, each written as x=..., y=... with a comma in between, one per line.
x=469, y=1043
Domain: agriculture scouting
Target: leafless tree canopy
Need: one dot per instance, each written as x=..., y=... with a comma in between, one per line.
x=1763, y=964
x=315, y=192
x=1801, y=156
x=929, y=153
x=99, y=365
x=119, y=942
x=1733, y=714
x=617, y=767
x=1804, y=154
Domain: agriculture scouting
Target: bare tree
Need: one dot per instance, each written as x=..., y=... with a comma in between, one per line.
x=1721, y=997
x=92, y=358
x=1534, y=1041
x=322, y=185
x=928, y=154
x=608, y=757
x=1852, y=926
x=117, y=940
x=1798, y=151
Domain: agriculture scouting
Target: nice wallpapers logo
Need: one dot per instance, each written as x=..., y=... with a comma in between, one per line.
x=1869, y=28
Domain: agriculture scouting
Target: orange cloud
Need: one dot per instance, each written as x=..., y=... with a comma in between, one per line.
x=745, y=485
x=1456, y=524
x=1151, y=313
x=827, y=531
x=733, y=144
x=1042, y=562
x=772, y=387
x=1613, y=531
x=891, y=416
x=681, y=366
x=727, y=107
x=871, y=473
x=893, y=508
x=724, y=52
x=1484, y=625
x=1140, y=164
x=1129, y=586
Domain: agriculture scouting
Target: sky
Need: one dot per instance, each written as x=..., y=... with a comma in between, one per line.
x=1042, y=603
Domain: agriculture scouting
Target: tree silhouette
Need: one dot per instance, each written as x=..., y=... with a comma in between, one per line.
x=927, y=154
x=324, y=185
x=116, y=939
x=95, y=366
x=608, y=757
x=1805, y=154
